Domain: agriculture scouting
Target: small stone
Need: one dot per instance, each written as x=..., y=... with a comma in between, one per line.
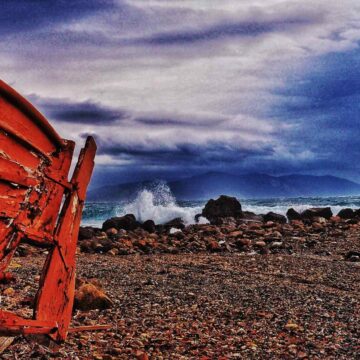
x=276, y=245
x=235, y=233
x=9, y=291
x=243, y=242
x=260, y=244
x=214, y=246
x=113, y=252
x=111, y=231
x=291, y=326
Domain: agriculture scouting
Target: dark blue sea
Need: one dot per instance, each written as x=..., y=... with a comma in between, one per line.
x=161, y=206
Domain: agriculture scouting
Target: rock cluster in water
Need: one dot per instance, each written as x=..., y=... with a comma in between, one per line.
x=230, y=230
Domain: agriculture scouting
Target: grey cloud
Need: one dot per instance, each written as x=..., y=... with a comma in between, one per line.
x=86, y=112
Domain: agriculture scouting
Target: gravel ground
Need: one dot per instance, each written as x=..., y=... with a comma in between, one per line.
x=207, y=306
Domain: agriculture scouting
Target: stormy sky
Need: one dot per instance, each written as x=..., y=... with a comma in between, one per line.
x=175, y=88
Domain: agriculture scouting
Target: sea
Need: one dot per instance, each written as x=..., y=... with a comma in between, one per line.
x=160, y=205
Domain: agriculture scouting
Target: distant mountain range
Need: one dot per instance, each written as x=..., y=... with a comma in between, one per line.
x=212, y=184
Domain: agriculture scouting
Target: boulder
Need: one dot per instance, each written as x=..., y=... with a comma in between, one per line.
x=317, y=212
x=248, y=215
x=357, y=213
x=292, y=214
x=346, y=214
x=127, y=222
x=224, y=206
x=89, y=296
x=149, y=226
x=177, y=223
x=86, y=232
x=271, y=216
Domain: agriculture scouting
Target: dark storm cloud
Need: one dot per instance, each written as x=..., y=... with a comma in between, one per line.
x=194, y=85
x=179, y=121
x=324, y=107
x=159, y=121
x=218, y=31
x=86, y=112
x=183, y=154
x=28, y=15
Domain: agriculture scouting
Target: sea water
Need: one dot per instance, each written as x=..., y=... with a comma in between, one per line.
x=160, y=205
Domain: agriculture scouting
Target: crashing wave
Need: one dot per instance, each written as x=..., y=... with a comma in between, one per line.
x=159, y=204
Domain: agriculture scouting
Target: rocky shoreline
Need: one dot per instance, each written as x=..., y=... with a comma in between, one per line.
x=230, y=230
x=243, y=286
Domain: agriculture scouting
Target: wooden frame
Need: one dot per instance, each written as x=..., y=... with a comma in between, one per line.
x=39, y=205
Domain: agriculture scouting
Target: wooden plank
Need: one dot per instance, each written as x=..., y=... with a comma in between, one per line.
x=15, y=122
x=14, y=173
x=59, y=270
x=17, y=152
x=51, y=199
x=30, y=112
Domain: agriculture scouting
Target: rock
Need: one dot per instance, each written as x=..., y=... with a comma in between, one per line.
x=9, y=291
x=111, y=232
x=271, y=216
x=248, y=215
x=149, y=226
x=242, y=242
x=177, y=223
x=86, y=232
x=357, y=213
x=346, y=214
x=103, y=244
x=320, y=220
x=224, y=206
x=260, y=244
x=89, y=296
x=85, y=246
x=214, y=246
x=317, y=212
x=292, y=214
x=235, y=234
x=276, y=245
x=353, y=256
x=113, y=252
x=127, y=222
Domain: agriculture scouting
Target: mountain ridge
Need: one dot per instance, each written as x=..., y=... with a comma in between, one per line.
x=253, y=185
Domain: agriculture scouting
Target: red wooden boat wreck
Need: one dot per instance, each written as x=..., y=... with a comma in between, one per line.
x=40, y=205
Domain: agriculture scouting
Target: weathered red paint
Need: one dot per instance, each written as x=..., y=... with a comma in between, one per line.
x=34, y=168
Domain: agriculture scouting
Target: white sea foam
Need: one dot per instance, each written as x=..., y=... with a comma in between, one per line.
x=282, y=209
x=159, y=205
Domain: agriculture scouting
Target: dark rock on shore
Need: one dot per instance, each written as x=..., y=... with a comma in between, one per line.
x=86, y=232
x=271, y=216
x=176, y=223
x=248, y=215
x=316, y=232
x=292, y=214
x=127, y=222
x=224, y=206
x=149, y=226
x=346, y=213
x=317, y=212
